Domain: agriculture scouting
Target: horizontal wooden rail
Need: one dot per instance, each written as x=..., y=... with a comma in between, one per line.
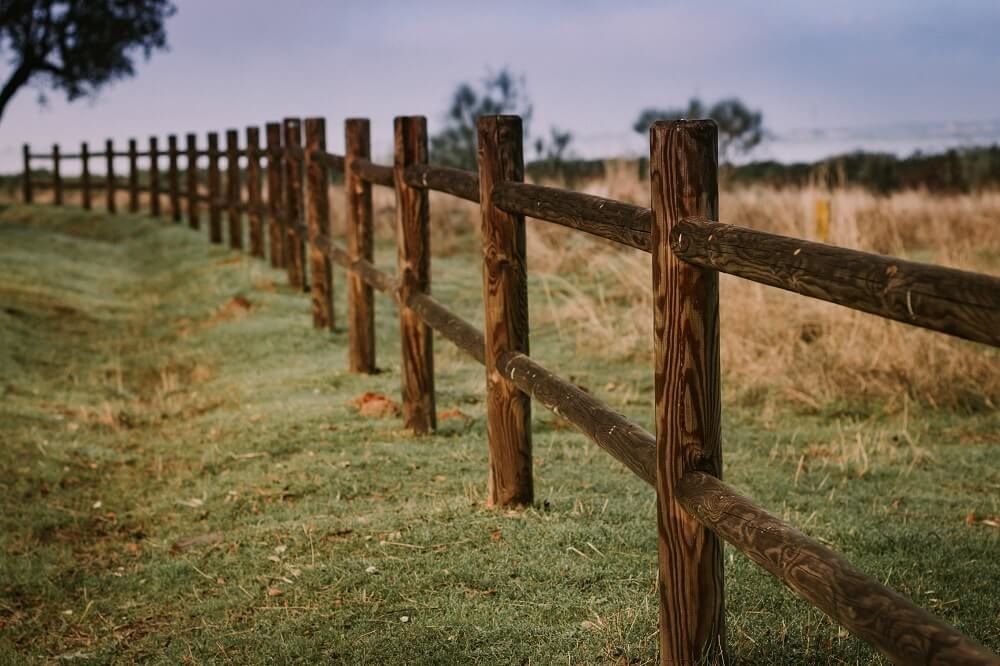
x=456, y=182
x=331, y=160
x=902, y=631
x=374, y=173
x=963, y=304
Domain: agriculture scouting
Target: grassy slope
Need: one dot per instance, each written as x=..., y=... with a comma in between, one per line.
x=139, y=410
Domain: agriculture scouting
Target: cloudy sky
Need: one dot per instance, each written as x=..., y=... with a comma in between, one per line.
x=829, y=77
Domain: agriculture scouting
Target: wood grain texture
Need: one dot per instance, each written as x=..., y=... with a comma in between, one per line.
x=332, y=161
x=960, y=303
x=109, y=178
x=275, y=196
x=360, y=245
x=255, y=208
x=173, y=179
x=318, y=222
x=191, y=182
x=57, y=183
x=374, y=173
x=295, y=249
x=684, y=182
x=414, y=271
x=505, y=300
x=614, y=220
x=154, y=177
x=900, y=630
x=233, y=214
x=456, y=182
x=85, y=184
x=26, y=190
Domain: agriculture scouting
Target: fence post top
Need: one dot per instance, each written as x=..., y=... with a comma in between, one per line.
x=356, y=121
x=498, y=119
x=684, y=124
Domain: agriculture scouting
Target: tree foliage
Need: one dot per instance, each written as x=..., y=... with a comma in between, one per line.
x=740, y=128
x=77, y=46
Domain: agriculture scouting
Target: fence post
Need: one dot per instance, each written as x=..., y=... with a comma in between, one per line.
x=26, y=183
x=173, y=184
x=294, y=244
x=684, y=182
x=360, y=245
x=214, y=210
x=505, y=296
x=318, y=220
x=253, y=193
x=133, y=177
x=109, y=179
x=57, y=184
x=85, y=175
x=154, y=177
x=233, y=190
x=275, y=193
x=194, y=219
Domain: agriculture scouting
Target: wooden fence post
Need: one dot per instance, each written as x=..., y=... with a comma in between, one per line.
x=233, y=190
x=253, y=193
x=57, y=184
x=173, y=179
x=684, y=181
x=133, y=177
x=275, y=193
x=318, y=221
x=360, y=245
x=505, y=297
x=85, y=175
x=26, y=183
x=154, y=177
x=109, y=179
x=194, y=218
x=294, y=244
x=414, y=274
x=214, y=190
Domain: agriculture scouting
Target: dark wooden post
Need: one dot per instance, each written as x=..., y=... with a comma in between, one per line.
x=414, y=273
x=85, y=175
x=154, y=177
x=233, y=189
x=294, y=244
x=173, y=179
x=684, y=181
x=360, y=245
x=109, y=179
x=505, y=296
x=133, y=177
x=26, y=183
x=194, y=218
x=318, y=221
x=214, y=190
x=253, y=193
x=275, y=196
x=57, y=184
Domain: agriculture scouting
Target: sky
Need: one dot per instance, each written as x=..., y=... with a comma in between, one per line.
x=828, y=76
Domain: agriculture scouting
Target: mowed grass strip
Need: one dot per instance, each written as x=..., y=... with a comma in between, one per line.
x=185, y=477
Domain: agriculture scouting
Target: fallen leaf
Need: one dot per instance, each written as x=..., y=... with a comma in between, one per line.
x=375, y=405
x=496, y=536
x=274, y=592
x=452, y=414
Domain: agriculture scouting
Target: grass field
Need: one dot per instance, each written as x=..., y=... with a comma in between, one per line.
x=184, y=476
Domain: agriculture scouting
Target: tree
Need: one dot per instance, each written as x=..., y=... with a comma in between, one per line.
x=455, y=145
x=77, y=46
x=740, y=128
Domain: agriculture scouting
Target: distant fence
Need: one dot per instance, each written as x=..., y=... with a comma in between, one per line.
x=695, y=508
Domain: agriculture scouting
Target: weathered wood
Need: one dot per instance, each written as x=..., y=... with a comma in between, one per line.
x=294, y=241
x=330, y=160
x=414, y=271
x=684, y=181
x=214, y=190
x=26, y=190
x=173, y=179
x=275, y=196
x=154, y=177
x=133, y=177
x=255, y=209
x=57, y=184
x=85, y=194
x=109, y=179
x=505, y=299
x=900, y=630
x=233, y=213
x=456, y=182
x=960, y=303
x=617, y=221
x=193, y=198
x=373, y=173
x=318, y=221
x=360, y=245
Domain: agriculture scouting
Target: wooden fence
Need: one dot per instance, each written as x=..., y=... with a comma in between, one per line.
x=689, y=247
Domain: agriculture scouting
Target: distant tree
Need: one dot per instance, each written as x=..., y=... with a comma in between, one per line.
x=551, y=153
x=502, y=92
x=740, y=128
x=77, y=46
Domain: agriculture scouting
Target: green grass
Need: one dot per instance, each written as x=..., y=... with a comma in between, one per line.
x=138, y=410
